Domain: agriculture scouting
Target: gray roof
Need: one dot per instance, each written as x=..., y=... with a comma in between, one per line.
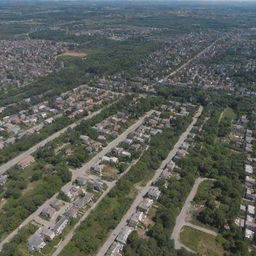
x=60, y=223
x=123, y=235
x=35, y=241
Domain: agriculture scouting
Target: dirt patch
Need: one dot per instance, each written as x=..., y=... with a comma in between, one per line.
x=109, y=171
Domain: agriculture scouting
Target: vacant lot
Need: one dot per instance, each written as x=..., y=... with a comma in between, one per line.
x=200, y=242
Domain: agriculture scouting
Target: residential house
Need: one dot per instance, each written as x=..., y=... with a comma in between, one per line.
x=97, y=185
x=123, y=235
x=36, y=243
x=180, y=154
x=60, y=225
x=154, y=193
x=72, y=212
x=115, y=249
x=251, y=210
x=73, y=192
x=128, y=141
x=85, y=139
x=135, y=147
x=170, y=166
x=251, y=226
x=250, y=195
x=88, y=197
x=48, y=234
x=249, y=181
x=249, y=233
x=81, y=181
x=137, y=217
x=48, y=211
x=248, y=169
x=97, y=169
x=56, y=204
x=26, y=161
x=101, y=138
x=49, y=120
x=126, y=154
x=145, y=205
x=69, y=152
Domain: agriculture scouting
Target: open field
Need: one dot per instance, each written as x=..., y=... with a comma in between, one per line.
x=200, y=242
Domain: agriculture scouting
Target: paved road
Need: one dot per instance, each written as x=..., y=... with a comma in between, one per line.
x=12, y=162
x=79, y=172
x=205, y=230
x=145, y=189
x=181, y=219
x=69, y=236
x=190, y=60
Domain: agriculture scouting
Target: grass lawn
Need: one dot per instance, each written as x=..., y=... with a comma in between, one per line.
x=229, y=113
x=110, y=171
x=200, y=242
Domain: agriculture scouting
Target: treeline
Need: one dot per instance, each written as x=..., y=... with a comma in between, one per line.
x=19, y=241
x=211, y=158
x=106, y=57
x=208, y=158
x=19, y=207
x=50, y=172
x=26, y=142
x=169, y=206
x=223, y=99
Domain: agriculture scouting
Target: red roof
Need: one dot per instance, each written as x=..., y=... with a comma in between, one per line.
x=26, y=161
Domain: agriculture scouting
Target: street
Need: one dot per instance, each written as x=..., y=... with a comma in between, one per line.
x=181, y=219
x=189, y=61
x=15, y=160
x=79, y=172
x=143, y=192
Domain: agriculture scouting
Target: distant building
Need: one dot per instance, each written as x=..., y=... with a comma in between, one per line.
x=251, y=210
x=248, y=169
x=249, y=233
